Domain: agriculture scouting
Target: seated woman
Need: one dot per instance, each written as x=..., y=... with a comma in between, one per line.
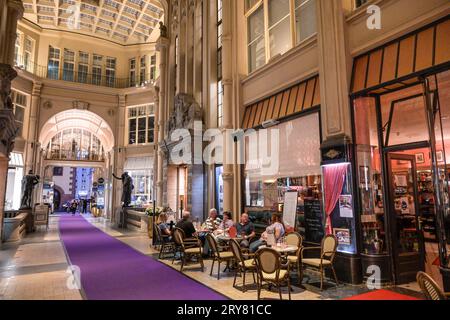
x=226, y=224
x=276, y=229
x=164, y=227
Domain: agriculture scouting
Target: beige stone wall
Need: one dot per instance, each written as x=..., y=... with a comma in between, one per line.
x=78, y=42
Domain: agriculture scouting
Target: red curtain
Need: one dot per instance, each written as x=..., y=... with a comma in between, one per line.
x=334, y=179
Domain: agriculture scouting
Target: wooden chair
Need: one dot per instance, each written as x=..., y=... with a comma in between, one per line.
x=162, y=240
x=218, y=255
x=243, y=264
x=271, y=270
x=327, y=253
x=187, y=248
x=295, y=239
x=430, y=288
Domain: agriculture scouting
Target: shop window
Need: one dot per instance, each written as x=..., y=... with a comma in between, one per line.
x=265, y=192
x=370, y=182
x=14, y=181
x=53, y=63
x=399, y=129
x=141, y=124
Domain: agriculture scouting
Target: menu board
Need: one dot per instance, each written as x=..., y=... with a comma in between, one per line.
x=290, y=208
x=314, y=229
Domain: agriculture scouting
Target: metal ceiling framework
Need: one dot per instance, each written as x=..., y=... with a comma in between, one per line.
x=122, y=21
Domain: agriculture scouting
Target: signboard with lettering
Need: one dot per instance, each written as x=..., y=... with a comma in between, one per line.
x=314, y=222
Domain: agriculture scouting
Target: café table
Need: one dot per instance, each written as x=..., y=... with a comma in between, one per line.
x=282, y=249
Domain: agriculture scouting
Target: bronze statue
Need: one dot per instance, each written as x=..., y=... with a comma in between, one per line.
x=127, y=188
x=28, y=183
x=163, y=30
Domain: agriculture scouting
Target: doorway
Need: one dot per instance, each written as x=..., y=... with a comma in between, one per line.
x=405, y=207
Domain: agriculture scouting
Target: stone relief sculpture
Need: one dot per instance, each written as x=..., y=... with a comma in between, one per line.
x=184, y=113
x=127, y=188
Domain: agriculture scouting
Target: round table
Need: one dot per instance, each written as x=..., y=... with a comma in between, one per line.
x=282, y=249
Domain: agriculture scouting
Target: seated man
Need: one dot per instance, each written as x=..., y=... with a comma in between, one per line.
x=213, y=221
x=245, y=229
x=186, y=225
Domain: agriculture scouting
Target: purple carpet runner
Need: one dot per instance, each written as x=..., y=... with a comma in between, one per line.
x=111, y=270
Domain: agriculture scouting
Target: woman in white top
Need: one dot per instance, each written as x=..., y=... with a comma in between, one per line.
x=276, y=228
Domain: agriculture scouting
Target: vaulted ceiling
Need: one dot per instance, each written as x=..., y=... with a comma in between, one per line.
x=122, y=21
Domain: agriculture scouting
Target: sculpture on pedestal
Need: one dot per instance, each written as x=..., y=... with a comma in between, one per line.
x=28, y=183
x=127, y=188
x=162, y=29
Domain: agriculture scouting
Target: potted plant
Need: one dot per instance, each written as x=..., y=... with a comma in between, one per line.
x=152, y=214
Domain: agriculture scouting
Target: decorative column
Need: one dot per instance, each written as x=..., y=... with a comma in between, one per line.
x=10, y=12
x=119, y=155
x=333, y=70
x=32, y=138
x=227, y=81
x=190, y=47
x=162, y=46
x=334, y=75
x=155, y=148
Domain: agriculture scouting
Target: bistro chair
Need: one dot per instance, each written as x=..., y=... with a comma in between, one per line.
x=218, y=255
x=295, y=239
x=271, y=270
x=243, y=264
x=430, y=288
x=327, y=253
x=162, y=240
x=187, y=248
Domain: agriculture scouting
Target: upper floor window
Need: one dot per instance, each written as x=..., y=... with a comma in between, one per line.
x=359, y=3
x=141, y=124
x=28, y=53
x=132, y=72
x=97, y=65
x=143, y=69
x=83, y=67
x=110, y=71
x=275, y=26
x=53, y=63
x=19, y=105
x=219, y=64
x=18, y=49
x=153, y=67
x=69, y=65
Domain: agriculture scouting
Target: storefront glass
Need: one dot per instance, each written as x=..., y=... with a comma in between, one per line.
x=370, y=182
x=298, y=170
x=14, y=185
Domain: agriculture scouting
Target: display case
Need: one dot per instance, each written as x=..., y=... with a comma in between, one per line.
x=427, y=212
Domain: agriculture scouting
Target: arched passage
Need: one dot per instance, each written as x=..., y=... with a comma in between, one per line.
x=78, y=119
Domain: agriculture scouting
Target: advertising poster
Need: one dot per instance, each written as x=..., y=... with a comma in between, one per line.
x=345, y=206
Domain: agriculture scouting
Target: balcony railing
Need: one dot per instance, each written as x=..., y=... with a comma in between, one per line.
x=81, y=77
x=74, y=155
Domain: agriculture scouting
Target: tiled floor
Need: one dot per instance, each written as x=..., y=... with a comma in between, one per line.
x=36, y=268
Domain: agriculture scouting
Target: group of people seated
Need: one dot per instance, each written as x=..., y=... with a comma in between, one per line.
x=217, y=226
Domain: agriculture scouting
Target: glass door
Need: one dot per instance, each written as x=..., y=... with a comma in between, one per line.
x=408, y=246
